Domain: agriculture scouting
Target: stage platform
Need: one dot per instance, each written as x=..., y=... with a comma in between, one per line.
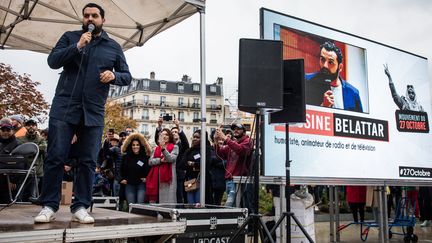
x=17, y=225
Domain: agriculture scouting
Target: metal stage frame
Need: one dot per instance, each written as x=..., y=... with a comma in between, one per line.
x=16, y=225
x=333, y=184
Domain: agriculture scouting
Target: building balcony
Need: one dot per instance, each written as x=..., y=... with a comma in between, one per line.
x=158, y=103
x=214, y=107
x=213, y=121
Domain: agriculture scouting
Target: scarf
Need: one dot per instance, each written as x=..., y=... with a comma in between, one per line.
x=162, y=173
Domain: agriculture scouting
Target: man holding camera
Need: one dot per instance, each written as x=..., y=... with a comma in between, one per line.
x=237, y=153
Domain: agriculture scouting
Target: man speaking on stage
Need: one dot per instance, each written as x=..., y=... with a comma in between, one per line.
x=91, y=61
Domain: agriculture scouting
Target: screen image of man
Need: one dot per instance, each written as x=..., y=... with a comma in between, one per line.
x=91, y=61
x=326, y=87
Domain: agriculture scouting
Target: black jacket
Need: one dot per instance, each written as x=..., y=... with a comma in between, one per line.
x=7, y=145
x=192, y=171
x=134, y=167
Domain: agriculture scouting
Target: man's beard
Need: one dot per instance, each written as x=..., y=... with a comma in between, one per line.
x=328, y=76
x=96, y=31
x=31, y=131
x=238, y=136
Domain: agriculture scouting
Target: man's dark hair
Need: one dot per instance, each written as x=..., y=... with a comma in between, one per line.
x=94, y=5
x=175, y=127
x=330, y=46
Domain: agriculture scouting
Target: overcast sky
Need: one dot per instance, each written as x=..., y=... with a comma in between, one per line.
x=399, y=23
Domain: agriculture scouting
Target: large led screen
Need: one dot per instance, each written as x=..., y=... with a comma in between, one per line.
x=367, y=107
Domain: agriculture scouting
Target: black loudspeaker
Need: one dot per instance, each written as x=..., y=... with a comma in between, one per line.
x=260, y=76
x=294, y=106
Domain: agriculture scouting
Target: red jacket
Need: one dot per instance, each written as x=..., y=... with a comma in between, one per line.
x=238, y=156
x=356, y=194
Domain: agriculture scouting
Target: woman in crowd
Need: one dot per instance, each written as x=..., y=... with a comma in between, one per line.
x=192, y=164
x=217, y=171
x=135, y=167
x=356, y=198
x=162, y=181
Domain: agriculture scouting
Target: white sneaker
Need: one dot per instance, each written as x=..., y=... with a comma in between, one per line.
x=426, y=223
x=46, y=215
x=82, y=216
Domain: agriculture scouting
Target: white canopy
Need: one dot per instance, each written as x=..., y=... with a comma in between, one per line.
x=36, y=25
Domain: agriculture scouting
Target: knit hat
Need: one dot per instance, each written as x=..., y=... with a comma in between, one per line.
x=17, y=118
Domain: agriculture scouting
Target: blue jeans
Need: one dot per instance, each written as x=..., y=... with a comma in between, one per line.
x=230, y=189
x=116, y=188
x=135, y=193
x=193, y=197
x=59, y=143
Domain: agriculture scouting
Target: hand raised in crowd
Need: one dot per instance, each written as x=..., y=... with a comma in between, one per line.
x=124, y=182
x=219, y=135
x=176, y=122
x=160, y=122
x=107, y=76
x=328, y=99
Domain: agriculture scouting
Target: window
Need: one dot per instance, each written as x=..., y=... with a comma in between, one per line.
x=145, y=114
x=195, y=128
x=163, y=86
x=196, y=87
x=181, y=116
x=196, y=115
x=180, y=88
x=180, y=101
x=131, y=114
x=195, y=103
x=146, y=99
x=162, y=100
x=134, y=84
x=146, y=84
x=213, y=89
x=144, y=128
x=213, y=118
x=212, y=104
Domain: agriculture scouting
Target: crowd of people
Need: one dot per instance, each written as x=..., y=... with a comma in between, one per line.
x=137, y=170
x=13, y=132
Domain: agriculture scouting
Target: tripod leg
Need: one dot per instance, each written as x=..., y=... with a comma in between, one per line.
x=242, y=227
x=264, y=227
x=280, y=220
x=301, y=228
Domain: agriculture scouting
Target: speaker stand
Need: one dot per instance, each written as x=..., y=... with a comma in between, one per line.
x=254, y=218
x=288, y=214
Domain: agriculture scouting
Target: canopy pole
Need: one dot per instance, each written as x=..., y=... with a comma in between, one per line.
x=203, y=90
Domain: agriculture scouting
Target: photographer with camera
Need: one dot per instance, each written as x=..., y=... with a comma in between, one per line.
x=182, y=142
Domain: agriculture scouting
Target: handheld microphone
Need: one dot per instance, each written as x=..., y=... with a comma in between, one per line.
x=91, y=28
